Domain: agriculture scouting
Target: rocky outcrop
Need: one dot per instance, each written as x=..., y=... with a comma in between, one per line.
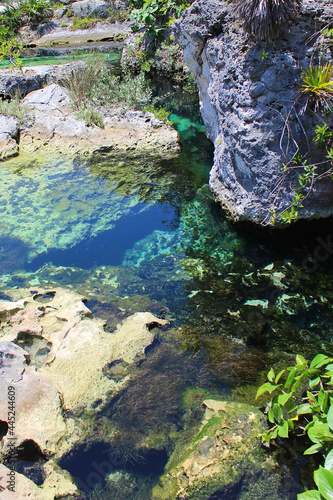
x=85, y=8
x=251, y=105
x=26, y=80
x=56, y=358
x=65, y=36
x=53, y=128
x=9, y=136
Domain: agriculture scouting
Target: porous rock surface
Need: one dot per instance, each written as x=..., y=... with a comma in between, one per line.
x=251, y=105
x=72, y=371
x=28, y=79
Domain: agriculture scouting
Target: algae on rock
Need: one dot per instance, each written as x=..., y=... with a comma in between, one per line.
x=225, y=451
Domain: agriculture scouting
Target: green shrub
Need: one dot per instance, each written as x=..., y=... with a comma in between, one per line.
x=318, y=86
x=303, y=403
x=35, y=11
x=263, y=18
x=156, y=14
x=15, y=108
x=84, y=23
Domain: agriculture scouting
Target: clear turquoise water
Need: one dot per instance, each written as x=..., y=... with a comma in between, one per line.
x=237, y=302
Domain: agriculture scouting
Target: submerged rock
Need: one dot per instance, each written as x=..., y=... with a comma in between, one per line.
x=74, y=372
x=224, y=453
x=252, y=107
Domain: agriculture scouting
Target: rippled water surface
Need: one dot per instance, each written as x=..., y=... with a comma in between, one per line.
x=141, y=233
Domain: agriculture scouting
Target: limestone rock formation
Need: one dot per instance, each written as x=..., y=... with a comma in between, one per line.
x=252, y=106
x=54, y=128
x=56, y=358
x=29, y=79
x=9, y=132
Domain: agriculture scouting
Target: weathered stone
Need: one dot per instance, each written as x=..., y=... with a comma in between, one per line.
x=8, y=137
x=29, y=79
x=252, y=107
x=85, y=8
x=57, y=484
x=73, y=375
x=37, y=404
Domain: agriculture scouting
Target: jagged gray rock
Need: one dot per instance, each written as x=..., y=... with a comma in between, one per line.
x=251, y=105
x=9, y=132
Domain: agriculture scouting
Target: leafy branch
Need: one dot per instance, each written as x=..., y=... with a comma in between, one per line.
x=310, y=415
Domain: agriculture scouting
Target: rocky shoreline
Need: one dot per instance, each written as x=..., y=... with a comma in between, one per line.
x=51, y=127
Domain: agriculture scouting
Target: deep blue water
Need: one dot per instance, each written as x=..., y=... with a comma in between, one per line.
x=109, y=247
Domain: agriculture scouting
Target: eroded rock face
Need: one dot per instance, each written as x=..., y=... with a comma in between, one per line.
x=9, y=132
x=28, y=79
x=251, y=106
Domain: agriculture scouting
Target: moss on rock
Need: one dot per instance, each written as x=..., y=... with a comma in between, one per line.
x=225, y=449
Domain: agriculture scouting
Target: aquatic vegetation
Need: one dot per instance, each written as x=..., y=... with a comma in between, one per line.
x=57, y=206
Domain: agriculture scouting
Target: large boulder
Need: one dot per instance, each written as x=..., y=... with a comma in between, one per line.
x=26, y=80
x=252, y=107
x=85, y=8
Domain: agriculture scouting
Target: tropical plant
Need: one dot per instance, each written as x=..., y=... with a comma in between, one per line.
x=157, y=14
x=318, y=86
x=263, y=18
x=322, y=134
x=303, y=404
x=35, y=11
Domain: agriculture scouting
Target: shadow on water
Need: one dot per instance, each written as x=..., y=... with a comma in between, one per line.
x=13, y=254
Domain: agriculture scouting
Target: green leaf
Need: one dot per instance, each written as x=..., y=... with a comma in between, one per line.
x=291, y=377
x=324, y=481
x=283, y=430
x=313, y=449
x=329, y=461
x=278, y=376
x=314, y=382
x=319, y=360
x=320, y=432
x=267, y=387
x=283, y=398
x=330, y=417
x=271, y=375
x=309, y=495
x=300, y=360
x=304, y=409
